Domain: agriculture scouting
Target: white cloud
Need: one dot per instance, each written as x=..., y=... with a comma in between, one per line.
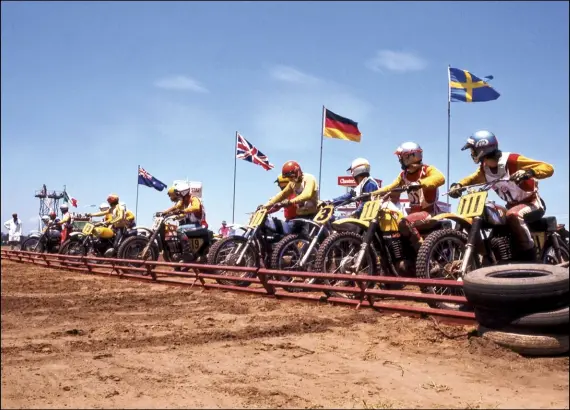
x=180, y=83
x=292, y=75
x=398, y=61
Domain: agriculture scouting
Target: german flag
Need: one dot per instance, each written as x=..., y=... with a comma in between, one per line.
x=341, y=128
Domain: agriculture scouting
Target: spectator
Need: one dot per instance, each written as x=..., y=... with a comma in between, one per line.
x=14, y=227
x=224, y=230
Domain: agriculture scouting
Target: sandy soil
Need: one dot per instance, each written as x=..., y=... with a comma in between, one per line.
x=80, y=341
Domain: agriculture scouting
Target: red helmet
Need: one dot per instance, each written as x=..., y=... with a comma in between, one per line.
x=291, y=170
x=113, y=199
x=52, y=215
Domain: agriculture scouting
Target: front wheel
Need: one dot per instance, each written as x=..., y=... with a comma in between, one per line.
x=440, y=257
x=287, y=255
x=226, y=253
x=132, y=248
x=337, y=254
x=33, y=245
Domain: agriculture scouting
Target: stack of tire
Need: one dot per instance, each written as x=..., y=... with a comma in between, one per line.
x=523, y=307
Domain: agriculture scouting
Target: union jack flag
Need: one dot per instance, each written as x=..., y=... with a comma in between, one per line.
x=248, y=152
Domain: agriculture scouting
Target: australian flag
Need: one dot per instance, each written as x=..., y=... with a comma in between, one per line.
x=146, y=179
x=247, y=152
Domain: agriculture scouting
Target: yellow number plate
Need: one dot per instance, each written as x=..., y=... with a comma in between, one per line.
x=195, y=244
x=370, y=210
x=257, y=218
x=87, y=229
x=324, y=214
x=539, y=239
x=472, y=205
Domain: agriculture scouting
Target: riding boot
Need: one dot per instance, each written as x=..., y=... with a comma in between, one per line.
x=185, y=247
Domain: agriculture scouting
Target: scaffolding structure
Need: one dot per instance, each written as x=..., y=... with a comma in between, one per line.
x=49, y=202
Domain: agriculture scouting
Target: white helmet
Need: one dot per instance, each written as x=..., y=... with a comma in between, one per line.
x=359, y=166
x=182, y=188
x=64, y=208
x=409, y=153
x=104, y=206
x=45, y=219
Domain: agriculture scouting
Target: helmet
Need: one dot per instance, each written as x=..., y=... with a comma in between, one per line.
x=359, y=166
x=104, y=206
x=172, y=194
x=482, y=144
x=45, y=218
x=281, y=181
x=409, y=153
x=64, y=208
x=223, y=222
x=178, y=190
x=52, y=215
x=291, y=170
x=113, y=199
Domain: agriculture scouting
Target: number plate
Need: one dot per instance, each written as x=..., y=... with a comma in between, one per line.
x=195, y=244
x=472, y=205
x=324, y=214
x=370, y=210
x=257, y=218
x=87, y=229
x=156, y=224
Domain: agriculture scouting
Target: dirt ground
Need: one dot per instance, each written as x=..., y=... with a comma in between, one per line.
x=80, y=341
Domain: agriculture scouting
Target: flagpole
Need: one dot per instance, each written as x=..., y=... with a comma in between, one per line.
x=235, y=166
x=448, y=126
x=321, y=158
x=137, y=204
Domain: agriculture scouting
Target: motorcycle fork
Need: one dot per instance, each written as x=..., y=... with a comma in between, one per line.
x=311, y=246
x=246, y=246
x=471, y=243
x=368, y=236
x=555, y=237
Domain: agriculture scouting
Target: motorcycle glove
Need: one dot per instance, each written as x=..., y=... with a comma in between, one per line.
x=455, y=190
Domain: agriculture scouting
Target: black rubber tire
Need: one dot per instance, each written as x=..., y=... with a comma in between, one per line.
x=128, y=242
x=552, y=321
x=277, y=249
x=212, y=260
x=526, y=288
x=527, y=344
x=423, y=265
x=550, y=251
x=324, y=250
x=40, y=248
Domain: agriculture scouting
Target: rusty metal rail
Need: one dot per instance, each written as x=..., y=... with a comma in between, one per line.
x=264, y=282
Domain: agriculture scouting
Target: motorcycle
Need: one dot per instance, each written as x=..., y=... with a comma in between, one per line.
x=370, y=245
x=164, y=240
x=252, y=249
x=481, y=238
x=96, y=240
x=297, y=251
x=48, y=240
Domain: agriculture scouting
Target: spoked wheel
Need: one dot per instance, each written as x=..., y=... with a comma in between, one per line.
x=132, y=248
x=226, y=254
x=441, y=257
x=337, y=254
x=287, y=255
x=550, y=255
x=33, y=245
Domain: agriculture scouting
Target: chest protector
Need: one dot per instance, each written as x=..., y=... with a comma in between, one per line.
x=298, y=189
x=419, y=199
x=509, y=191
x=359, y=188
x=196, y=218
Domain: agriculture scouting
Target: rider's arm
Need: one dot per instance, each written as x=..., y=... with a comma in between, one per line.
x=342, y=198
x=397, y=182
x=101, y=213
x=193, y=207
x=540, y=169
x=308, y=191
x=478, y=177
x=433, y=179
x=177, y=205
x=281, y=195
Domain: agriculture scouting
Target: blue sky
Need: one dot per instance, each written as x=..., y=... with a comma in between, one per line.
x=91, y=90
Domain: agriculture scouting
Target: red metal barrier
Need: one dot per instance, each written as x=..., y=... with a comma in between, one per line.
x=263, y=282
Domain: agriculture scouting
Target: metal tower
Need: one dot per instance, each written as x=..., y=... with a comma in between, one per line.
x=49, y=202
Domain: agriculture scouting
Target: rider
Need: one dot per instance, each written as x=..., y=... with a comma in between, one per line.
x=129, y=216
x=360, y=170
x=66, y=222
x=104, y=207
x=55, y=221
x=303, y=186
x=117, y=222
x=290, y=212
x=519, y=190
x=422, y=182
x=192, y=214
x=52, y=222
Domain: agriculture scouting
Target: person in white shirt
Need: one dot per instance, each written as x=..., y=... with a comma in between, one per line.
x=14, y=227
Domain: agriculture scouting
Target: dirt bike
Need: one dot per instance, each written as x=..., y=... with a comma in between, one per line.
x=297, y=251
x=47, y=241
x=481, y=238
x=253, y=249
x=164, y=239
x=370, y=245
x=96, y=240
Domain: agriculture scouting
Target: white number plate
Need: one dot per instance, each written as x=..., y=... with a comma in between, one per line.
x=156, y=223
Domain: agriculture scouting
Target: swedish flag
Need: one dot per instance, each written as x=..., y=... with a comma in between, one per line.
x=467, y=87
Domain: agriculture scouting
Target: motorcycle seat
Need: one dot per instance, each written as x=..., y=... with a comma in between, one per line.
x=131, y=232
x=547, y=224
x=198, y=233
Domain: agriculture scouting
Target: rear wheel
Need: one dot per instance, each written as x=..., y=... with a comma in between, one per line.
x=287, y=255
x=441, y=257
x=132, y=248
x=337, y=255
x=226, y=255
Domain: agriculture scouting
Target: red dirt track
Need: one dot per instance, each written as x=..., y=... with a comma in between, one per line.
x=81, y=341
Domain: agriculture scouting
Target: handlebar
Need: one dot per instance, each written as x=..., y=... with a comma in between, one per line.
x=483, y=186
